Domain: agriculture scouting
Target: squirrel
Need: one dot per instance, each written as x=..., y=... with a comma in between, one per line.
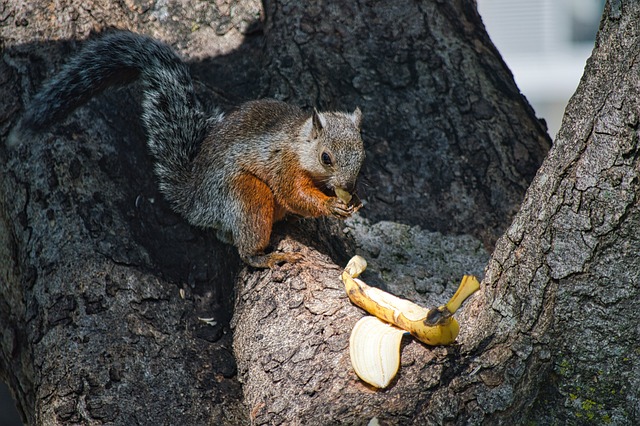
x=237, y=173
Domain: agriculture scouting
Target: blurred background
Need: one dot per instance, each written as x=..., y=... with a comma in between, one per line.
x=545, y=43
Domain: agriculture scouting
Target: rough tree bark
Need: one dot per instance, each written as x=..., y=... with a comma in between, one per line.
x=95, y=329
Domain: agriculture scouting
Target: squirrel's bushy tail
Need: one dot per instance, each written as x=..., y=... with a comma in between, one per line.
x=173, y=119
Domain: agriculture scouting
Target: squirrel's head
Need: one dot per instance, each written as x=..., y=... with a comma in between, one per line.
x=333, y=150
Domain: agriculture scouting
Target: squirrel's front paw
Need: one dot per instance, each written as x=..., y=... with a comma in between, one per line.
x=339, y=208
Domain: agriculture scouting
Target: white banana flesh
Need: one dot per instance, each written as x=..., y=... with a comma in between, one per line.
x=374, y=347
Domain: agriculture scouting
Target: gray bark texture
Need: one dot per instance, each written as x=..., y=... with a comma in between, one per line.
x=103, y=290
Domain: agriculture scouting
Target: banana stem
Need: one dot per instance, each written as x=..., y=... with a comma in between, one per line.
x=468, y=286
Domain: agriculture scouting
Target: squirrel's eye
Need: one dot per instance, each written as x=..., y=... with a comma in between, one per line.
x=326, y=159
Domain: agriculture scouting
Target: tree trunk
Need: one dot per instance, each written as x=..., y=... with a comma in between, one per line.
x=103, y=288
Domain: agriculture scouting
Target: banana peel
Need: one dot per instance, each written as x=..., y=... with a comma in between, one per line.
x=435, y=326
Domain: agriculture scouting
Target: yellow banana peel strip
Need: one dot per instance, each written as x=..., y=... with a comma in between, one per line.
x=431, y=326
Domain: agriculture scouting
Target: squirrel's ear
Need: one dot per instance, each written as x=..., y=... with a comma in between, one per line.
x=316, y=129
x=356, y=117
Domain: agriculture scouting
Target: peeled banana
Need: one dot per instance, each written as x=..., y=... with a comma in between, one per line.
x=343, y=195
x=371, y=345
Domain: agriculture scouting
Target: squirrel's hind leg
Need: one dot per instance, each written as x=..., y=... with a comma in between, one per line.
x=253, y=228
